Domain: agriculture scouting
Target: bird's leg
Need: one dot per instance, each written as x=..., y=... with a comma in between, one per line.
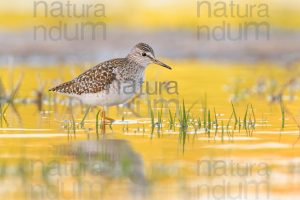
x=85, y=115
x=97, y=123
x=103, y=121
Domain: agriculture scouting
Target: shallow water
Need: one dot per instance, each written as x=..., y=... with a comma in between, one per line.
x=44, y=157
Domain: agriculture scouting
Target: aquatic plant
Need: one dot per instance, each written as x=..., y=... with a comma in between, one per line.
x=183, y=121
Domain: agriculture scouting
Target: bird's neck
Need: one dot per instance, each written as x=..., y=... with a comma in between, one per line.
x=137, y=60
x=131, y=70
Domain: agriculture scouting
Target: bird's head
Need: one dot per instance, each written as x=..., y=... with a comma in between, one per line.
x=143, y=54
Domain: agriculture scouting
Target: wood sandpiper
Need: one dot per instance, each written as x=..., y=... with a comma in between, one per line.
x=107, y=83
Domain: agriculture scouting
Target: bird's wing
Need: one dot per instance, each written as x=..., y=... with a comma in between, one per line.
x=94, y=80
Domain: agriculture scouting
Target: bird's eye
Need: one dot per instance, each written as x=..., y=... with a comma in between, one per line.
x=144, y=54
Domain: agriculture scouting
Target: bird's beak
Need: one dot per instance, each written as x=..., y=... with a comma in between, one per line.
x=160, y=63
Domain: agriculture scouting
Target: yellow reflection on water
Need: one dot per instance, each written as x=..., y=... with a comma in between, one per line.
x=44, y=155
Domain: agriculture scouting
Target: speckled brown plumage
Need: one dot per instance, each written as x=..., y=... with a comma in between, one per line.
x=94, y=80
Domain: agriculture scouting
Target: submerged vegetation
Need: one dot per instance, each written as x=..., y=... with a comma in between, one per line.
x=201, y=120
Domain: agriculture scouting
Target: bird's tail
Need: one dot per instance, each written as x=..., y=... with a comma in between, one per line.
x=63, y=88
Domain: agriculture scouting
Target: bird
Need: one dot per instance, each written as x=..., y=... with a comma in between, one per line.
x=112, y=82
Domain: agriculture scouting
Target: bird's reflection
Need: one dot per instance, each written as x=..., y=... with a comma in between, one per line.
x=109, y=158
